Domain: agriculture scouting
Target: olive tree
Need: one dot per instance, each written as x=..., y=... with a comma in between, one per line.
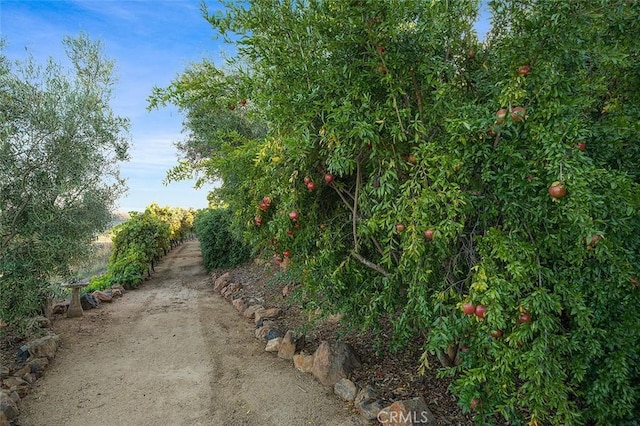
x=60, y=149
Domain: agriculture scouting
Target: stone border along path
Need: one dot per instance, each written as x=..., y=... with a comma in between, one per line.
x=331, y=364
x=171, y=352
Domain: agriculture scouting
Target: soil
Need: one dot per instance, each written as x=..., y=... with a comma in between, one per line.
x=173, y=352
x=393, y=375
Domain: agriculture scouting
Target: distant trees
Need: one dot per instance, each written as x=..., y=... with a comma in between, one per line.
x=60, y=150
x=141, y=241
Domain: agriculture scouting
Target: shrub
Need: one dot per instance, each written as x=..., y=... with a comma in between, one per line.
x=442, y=151
x=220, y=247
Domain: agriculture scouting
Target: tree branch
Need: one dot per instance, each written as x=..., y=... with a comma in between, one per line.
x=370, y=264
x=355, y=206
x=342, y=197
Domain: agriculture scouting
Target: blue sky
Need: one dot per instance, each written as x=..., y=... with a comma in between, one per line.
x=151, y=41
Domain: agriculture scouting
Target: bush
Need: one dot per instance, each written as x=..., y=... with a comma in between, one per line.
x=220, y=247
x=99, y=282
x=432, y=157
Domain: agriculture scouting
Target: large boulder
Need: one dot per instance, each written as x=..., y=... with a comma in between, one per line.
x=333, y=361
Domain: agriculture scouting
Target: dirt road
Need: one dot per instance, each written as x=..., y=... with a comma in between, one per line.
x=173, y=353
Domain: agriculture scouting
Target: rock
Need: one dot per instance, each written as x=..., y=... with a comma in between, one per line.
x=290, y=345
x=240, y=304
x=303, y=362
x=102, y=296
x=23, y=371
x=3, y=420
x=115, y=292
x=118, y=288
x=231, y=290
x=268, y=332
x=263, y=330
x=221, y=282
x=4, y=372
x=14, y=382
x=23, y=353
x=334, y=361
x=44, y=347
x=30, y=378
x=8, y=407
x=15, y=397
x=273, y=313
x=251, y=311
x=17, y=384
x=259, y=315
x=367, y=404
x=345, y=389
x=270, y=313
x=60, y=308
x=370, y=409
x=273, y=344
x=38, y=365
x=365, y=394
x=43, y=322
x=407, y=412
x=87, y=301
x=266, y=323
x=272, y=334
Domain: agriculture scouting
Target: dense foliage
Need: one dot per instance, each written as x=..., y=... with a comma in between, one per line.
x=60, y=149
x=220, y=247
x=140, y=242
x=481, y=196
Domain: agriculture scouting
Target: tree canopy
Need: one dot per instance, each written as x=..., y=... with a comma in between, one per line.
x=481, y=196
x=60, y=150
